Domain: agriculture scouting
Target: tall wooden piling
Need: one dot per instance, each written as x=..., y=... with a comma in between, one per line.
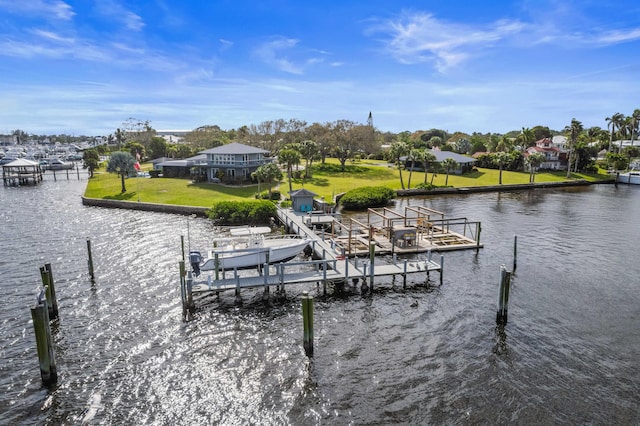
x=307, y=323
x=46, y=274
x=441, y=267
x=372, y=258
x=503, y=296
x=90, y=260
x=44, y=342
x=515, y=252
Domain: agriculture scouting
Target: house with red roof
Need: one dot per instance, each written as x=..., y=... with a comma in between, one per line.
x=554, y=158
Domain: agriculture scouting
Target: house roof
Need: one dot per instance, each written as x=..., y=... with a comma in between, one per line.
x=234, y=148
x=443, y=155
x=302, y=193
x=187, y=162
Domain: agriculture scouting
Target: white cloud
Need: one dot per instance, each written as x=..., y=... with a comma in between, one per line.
x=56, y=9
x=271, y=53
x=420, y=37
x=114, y=10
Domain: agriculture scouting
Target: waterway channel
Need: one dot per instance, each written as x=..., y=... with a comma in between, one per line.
x=425, y=355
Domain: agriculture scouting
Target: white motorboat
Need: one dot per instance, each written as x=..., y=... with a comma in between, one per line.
x=249, y=252
x=631, y=177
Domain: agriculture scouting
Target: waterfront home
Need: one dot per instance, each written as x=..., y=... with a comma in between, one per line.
x=463, y=163
x=234, y=162
x=553, y=158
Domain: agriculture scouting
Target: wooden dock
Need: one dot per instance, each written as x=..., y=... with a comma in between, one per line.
x=335, y=254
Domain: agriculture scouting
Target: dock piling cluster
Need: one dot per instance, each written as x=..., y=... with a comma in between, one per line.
x=45, y=310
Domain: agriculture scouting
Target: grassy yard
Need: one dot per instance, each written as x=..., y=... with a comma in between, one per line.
x=326, y=181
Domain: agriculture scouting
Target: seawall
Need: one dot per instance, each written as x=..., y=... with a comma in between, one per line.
x=150, y=207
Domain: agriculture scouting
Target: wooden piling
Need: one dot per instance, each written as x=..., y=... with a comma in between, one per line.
x=90, y=259
x=478, y=231
x=307, y=323
x=182, y=246
x=46, y=274
x=404, y=274
x=503, y=296
x=189, y=290
x=372, y=258
x=44, y=342
x=515, y=252
x=183, y=288
x=441, y=267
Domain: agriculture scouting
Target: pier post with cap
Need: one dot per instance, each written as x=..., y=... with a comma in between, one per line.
x=503, y=296
x=46, y=275
x=307, y=323
x=90, y=259
x=515, y=252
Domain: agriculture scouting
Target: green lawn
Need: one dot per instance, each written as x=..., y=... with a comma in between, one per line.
x=325, y=182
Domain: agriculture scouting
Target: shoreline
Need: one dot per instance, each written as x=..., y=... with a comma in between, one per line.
x=201, y=211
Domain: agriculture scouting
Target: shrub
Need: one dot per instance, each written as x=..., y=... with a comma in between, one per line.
x=285, y=204
x=367, y=196
x=257, y=212
x=428, y=186
x=275, y=195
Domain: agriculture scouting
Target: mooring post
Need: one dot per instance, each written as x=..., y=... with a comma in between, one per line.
x=363, y=287
x=216, y=264
x=372, y=259
x=182, y=246
x=515, y=252
x=346, y=268
x=51, y=293
x=44, y=342
x=324, y=278
x=478, y=231
x=237, y=278
x=307, y=323
x=90, y=260
x=503, y=296
x=190, y=303
x=441, y=267
x=183, y=289
x=265, y=268
x=404, y=275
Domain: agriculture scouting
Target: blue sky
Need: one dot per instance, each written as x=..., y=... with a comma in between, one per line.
x=84, y=67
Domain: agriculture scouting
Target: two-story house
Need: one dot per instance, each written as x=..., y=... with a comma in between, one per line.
x=234, y=162
x=552, y=154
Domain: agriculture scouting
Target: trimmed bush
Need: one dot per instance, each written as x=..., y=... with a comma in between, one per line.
x=367, y=196
x=233, y=213
x=275, y=195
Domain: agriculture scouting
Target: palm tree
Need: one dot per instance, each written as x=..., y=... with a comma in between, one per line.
x=121, y=163
x=427, y=159
x=502, y=158
x=613, y=122
x=289, y=157
x=634, y=121
x=527, y=136
x=534, y=161
x=573, y=132
x=399, y=149
x=448, y=164
x=268, y=173
x=412, y=158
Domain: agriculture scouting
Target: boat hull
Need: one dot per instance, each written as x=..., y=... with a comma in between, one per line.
x=252, y=257
x=631, y=178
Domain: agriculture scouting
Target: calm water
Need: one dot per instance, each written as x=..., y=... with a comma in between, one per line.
x=568, y=355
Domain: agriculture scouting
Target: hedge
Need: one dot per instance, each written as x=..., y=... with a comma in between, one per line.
x=367, y=196
x=258, y=212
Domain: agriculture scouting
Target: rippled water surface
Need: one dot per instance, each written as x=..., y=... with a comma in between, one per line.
x=569, y=353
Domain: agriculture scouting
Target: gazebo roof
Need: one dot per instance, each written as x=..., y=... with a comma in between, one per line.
x=302, y=193
x=21, y=162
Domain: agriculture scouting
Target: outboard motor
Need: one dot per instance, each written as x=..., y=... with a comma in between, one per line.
x=195, y=258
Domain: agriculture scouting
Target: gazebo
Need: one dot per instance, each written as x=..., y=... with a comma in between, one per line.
x=21, y=172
